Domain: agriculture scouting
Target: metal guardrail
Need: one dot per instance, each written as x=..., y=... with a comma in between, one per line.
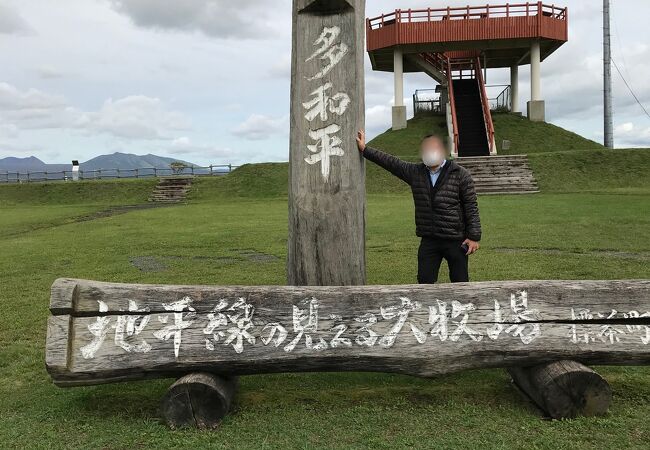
x=425, y=102
x=104, y=174
x=501, y=103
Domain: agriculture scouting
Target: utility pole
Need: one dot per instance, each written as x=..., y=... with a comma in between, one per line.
x=607, y=79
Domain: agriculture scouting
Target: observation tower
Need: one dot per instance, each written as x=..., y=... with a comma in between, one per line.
x=456, y=46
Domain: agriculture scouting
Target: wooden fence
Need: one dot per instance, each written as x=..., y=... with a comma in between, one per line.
x=103, y=174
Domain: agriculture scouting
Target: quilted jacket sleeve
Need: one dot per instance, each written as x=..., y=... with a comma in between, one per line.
x=470, y=208
x=400, y=168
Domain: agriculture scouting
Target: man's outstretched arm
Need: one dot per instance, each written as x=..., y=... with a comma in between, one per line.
x=396, y=166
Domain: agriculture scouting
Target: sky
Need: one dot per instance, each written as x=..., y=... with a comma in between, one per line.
x=207, y=81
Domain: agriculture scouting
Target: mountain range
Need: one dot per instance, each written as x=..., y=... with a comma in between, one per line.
x=115, y=161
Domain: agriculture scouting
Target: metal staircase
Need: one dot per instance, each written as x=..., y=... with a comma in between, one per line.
x=470, y=120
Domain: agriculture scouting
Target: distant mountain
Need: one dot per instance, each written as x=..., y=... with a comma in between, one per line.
x=130, y=161
x=30, y=164
x=115, y=161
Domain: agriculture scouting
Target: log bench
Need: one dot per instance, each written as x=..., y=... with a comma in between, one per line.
x=205, y=336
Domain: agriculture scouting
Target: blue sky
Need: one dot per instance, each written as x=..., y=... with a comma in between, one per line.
x=208, y=80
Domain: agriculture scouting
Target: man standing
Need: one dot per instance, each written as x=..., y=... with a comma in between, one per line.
x=446, y=211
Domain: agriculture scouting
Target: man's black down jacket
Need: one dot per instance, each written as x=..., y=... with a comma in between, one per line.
x=454, y=212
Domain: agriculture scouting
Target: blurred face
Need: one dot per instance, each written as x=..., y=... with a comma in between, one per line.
x=432, y=152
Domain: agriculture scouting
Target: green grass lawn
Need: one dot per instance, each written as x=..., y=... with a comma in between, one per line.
x=578, y=235
x=590, y=222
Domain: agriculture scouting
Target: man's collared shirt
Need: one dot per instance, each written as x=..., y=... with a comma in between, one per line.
x=434, y=174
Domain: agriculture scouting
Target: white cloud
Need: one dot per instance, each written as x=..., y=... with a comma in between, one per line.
x=629, y=135
x=8, y=130
x=13, y=23
x=217, y=18
x=32, y=109
x=281, y=68
x=135, y=117
x=184, y=146
x=260, y=127
x=48, y=72
x=11, y=98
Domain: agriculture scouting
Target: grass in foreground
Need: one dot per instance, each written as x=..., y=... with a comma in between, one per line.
x=577, y=236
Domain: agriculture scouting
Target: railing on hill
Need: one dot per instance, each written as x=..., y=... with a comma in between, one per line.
x=426, y=102
x=500, y=103
x=103, y=174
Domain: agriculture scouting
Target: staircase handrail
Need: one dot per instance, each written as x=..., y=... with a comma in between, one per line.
x=438, y=61
x=489, y=126
x=452, y=103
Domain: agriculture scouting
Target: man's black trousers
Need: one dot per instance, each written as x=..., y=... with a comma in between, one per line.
x=430, y=255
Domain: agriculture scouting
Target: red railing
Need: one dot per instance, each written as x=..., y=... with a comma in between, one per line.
x=487, y=115
x=468, y=12
x=437, y=60
x=452, y=104
x=468, y=23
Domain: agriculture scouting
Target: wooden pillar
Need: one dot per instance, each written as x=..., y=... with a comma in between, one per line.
x=564, y=389
x=326, y=243
x=199, y=399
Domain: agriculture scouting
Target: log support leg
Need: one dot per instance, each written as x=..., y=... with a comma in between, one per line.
x=198, y=400
x=564, y=389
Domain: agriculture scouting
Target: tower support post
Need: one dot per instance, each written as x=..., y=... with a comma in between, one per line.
x=514, y=89
x=536, y=108
x=399, y=109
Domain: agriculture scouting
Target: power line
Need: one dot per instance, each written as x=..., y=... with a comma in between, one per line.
x=619, y=44
x=630, y=89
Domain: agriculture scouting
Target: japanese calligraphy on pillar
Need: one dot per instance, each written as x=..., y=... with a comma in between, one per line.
x=327, y=181
x=323, y=103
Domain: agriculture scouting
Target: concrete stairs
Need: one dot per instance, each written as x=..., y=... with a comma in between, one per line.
x=509, y=174
x=171, y=189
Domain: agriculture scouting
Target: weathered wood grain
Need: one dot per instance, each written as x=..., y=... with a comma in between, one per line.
x=199, y=400
x=128, y=331
x=564, y=389
x=326, y=242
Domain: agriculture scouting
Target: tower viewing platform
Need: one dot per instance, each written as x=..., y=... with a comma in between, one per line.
x=502, y=32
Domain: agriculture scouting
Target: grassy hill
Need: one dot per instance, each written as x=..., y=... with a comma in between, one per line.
x=105, y=192
x=562, y=160
x=524, y=136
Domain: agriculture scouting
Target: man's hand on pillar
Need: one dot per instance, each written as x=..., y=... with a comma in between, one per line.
x=361, y=140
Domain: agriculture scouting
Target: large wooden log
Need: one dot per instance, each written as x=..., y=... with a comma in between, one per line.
x=199, y=400
x=326, y=243
x=104, y=332
x=564, y=389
